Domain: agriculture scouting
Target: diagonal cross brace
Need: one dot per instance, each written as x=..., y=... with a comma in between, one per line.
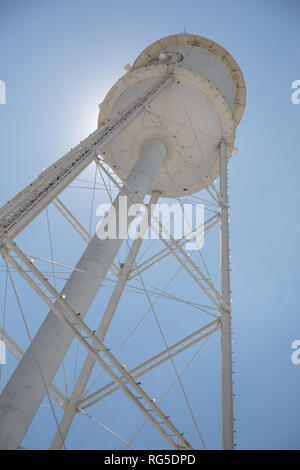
x=154, y=362
x=177, y=250
x=68, y=320
x=160, y=255
x=89, y=362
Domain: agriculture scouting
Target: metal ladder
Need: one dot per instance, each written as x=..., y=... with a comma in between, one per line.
x=23, y=208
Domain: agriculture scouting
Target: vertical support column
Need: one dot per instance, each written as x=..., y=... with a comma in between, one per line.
x=25, y=390
x=89, y=362
x=226, y=350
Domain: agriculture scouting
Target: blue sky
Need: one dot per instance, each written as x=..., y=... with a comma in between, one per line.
x=58, y=60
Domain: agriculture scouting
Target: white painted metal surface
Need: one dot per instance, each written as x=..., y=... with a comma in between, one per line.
x=226, y=338
x=202, y=106
x=25, y=390
x=23, y=208
x=153, y=362
x=89, y=363
x=166, y=127
x=207, y=58
x=67, y=316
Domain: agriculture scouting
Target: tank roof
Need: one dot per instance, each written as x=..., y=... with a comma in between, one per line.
x=185, y=39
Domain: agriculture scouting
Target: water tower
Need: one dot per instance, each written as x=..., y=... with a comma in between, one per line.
x=166, y=129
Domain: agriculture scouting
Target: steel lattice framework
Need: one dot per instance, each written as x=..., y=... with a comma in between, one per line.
x=68, y=317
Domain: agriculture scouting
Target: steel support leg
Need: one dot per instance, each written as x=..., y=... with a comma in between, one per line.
x=89, y=363
x=25, y=390
x=108, y=361
x=226, y=350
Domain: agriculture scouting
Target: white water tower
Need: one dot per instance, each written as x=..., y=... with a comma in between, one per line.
x=167, y=129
